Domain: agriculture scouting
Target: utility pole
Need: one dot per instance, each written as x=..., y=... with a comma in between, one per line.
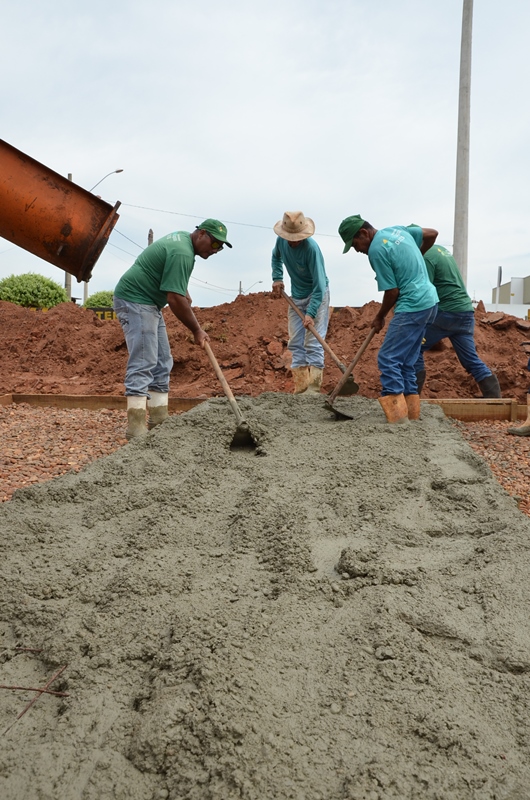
x=150, y=237
x=461, y=225
x=240, y=288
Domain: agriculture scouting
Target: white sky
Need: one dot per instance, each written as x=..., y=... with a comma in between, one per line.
x=243, y=110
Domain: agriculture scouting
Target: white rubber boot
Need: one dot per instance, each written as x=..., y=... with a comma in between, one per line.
x=157, y=405
x=136, y=422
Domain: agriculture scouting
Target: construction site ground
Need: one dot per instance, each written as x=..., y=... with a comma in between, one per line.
x=341, y=614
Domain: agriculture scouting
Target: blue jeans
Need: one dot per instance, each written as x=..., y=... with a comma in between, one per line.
x=306, y=350
x=459, y=329
x=150, y=360
x=399, y=352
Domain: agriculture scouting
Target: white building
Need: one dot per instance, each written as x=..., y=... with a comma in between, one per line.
x=512, y=298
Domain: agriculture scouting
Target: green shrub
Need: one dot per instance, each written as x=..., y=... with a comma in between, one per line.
x=32, y=290
x=99, y=300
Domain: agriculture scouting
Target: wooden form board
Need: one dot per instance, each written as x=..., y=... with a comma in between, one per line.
x=475, y=410
x=465, y=410
x=92, y=402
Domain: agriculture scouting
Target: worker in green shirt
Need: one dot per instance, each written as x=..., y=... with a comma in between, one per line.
x=455, y=320
x=159, y=277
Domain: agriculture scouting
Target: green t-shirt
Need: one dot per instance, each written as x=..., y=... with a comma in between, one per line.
x=165, y=266
x=444, y=273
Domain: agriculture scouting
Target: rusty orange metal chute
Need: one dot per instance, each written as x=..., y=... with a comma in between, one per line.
x=50, y=216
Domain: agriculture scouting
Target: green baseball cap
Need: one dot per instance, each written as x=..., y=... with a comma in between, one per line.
x=216, y=229
x=348, y=228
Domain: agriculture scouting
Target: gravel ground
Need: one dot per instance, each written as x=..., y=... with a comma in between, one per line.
x=42, y=443
x=507, y=456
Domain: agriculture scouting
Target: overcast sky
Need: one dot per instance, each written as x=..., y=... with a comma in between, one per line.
x=243, y=110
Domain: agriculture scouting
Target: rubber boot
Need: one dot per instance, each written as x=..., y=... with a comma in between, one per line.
x=136, y=422
x=490, y=386
x=420, y=377
x=157, y=407
x=395, y=408
x=524, y=430
x=315, y=380
x=413, y=405
x=301, y=379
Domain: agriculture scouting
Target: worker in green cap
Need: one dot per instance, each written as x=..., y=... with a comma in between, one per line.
x=159, y=277
x=396, y=258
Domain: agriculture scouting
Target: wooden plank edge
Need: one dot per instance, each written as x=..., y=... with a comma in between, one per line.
x=95, y=402
x=462, y=409
x=480, y=409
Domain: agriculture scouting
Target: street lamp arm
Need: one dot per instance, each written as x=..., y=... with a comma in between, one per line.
x=250, y=287
x=103, y=178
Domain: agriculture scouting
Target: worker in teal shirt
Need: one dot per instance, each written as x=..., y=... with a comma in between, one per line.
x=304, y=263
x=395, y=256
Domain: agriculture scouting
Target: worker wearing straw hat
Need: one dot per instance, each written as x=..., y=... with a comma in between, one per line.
x=303, y=260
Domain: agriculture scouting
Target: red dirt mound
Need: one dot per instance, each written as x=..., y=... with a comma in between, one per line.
x=69, y=350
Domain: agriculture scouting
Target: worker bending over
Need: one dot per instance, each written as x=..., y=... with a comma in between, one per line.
x=400, y=271
x=455, y=321
x=159, y=276
x=304, y=263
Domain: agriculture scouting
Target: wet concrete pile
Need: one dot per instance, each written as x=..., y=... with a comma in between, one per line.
x=342, y=615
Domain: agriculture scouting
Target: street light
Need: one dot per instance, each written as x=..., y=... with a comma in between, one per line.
x=249, y=288
x=103, y=178
x=85, y=283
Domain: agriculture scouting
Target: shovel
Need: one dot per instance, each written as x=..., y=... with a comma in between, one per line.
x=349, y=387
x=336, y=391
x=242, y=436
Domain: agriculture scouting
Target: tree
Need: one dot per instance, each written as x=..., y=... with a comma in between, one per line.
x=99, y=300
x=32, y=290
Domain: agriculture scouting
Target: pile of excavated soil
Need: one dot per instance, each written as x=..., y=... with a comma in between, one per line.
x=342, y=615
x=68, y=350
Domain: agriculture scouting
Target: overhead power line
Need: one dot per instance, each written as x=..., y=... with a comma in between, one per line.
x=130, y=240
x=224, y=288
x=227, y=221
x=228, y=292
x=122, y=250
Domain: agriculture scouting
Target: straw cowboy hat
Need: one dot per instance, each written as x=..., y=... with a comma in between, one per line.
x=294, y=227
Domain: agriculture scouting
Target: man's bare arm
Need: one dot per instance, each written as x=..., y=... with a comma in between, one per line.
x=181, y=308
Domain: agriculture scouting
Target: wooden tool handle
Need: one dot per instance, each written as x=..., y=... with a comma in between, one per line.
x=351, y=366
x=224, y=383
x=317, y=336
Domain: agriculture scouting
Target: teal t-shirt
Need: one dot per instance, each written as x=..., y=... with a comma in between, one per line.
x=165, y=266
x=395, y=257
x=444, y=273
x=305, y=265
